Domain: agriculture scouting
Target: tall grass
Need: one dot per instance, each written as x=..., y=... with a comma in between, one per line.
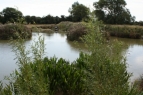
x=125, y=31
x=13, y=31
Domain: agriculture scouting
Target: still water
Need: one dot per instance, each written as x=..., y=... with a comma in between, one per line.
x=57, y=45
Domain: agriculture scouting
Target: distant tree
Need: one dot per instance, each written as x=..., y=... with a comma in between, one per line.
x=27, y=19
x=1, y=19
x=48, y=19
x=113, y=12
x=57, y=20
x=11, y=14
x=63, y=18
x=79, y=12
x=69, y=18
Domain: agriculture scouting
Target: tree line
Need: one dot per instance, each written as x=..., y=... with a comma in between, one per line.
x=107, y=11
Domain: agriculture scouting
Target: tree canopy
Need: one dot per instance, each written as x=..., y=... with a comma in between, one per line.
x=11, y=14
x=113, y=12
x=79, y=12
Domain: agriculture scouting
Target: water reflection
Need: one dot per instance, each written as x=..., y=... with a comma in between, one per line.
x=134, y=54
x=7, y=62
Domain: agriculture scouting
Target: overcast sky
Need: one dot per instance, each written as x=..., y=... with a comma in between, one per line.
x=60, y=7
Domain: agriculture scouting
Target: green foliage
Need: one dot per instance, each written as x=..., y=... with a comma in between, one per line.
x=108, y=66
x=14, y=31
x=11, y=15
x=65, y=78
x=124, y=31
x=49, y=19
x=43, y=76
x=113, y=12
x=79, y=12
x=29, y=79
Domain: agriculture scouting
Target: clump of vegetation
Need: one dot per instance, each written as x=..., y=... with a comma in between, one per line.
x=125, y=32
x=14, y=31
x=65, y=25
x=76, y=31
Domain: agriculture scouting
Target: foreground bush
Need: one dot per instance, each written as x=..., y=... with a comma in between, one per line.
x=14, y=31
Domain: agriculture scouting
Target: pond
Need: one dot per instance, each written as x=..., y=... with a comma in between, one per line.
x=57, y=45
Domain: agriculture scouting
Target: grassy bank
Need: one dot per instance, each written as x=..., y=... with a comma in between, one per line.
x=14, y=31
x=125, y=31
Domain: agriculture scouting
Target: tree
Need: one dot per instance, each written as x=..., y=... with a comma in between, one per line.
x=49, y=19
x=1, y=19
x=79, y=12
x=11, y=14
x=27, y=19
x=112, y=12
x=63, y=18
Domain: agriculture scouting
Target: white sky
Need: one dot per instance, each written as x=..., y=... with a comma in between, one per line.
x=60, y=7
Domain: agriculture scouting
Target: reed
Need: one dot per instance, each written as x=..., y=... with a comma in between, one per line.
x=125, y=31
x=14, y=31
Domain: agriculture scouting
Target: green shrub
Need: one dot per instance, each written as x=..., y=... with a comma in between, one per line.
x=108, y=66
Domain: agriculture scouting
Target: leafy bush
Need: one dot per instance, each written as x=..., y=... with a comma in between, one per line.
x=106, y=64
